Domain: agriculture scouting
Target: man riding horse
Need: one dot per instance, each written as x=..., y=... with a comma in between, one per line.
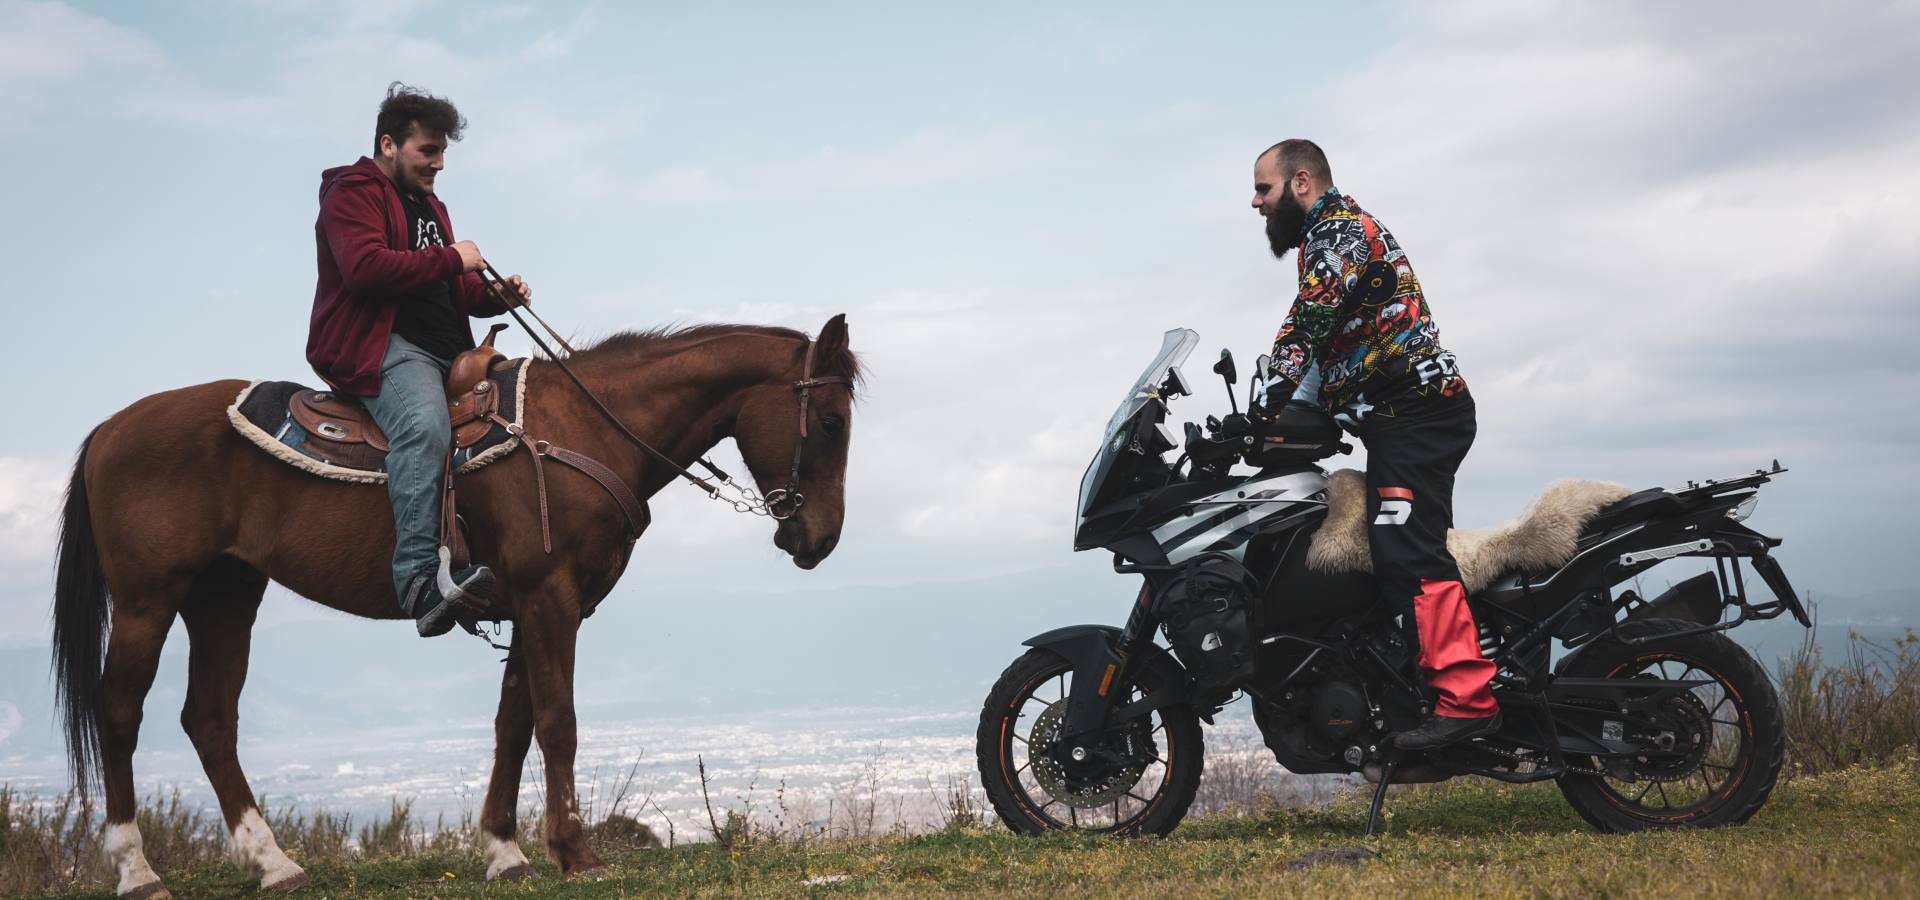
x=183, y=506
x=389, y=314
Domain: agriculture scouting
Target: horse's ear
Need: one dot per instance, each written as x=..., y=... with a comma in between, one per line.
x=833, y=336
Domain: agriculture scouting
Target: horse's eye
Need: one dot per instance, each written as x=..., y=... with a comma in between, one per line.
x=831, y=424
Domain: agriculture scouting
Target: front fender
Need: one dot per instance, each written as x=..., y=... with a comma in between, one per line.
x=1093, y=652
x=1078, y=644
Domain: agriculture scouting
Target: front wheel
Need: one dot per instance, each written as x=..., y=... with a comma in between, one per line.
x=1137, y=778
x=1729, y=731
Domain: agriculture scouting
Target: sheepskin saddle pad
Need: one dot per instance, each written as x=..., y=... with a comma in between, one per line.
x=1541, y=540
x=331, y=435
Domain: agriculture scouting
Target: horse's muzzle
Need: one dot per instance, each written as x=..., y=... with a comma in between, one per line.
x=791, y=538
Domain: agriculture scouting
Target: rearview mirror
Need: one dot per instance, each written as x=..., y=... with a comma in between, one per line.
x=1224, y=368
x=1176, y=384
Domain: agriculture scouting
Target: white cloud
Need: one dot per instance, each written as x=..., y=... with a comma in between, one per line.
x=360, y=15
x=556, y=44
x=497, y=15
x=1597, y=205
x=532, y=141
x=323, y=85
x=1649, y=273
x=924, y=161
x=46, y=49
x=1647, y=229
x=30, y=493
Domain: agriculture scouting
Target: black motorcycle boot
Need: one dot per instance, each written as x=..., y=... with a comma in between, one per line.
x=1442, y=731
x=434, y=595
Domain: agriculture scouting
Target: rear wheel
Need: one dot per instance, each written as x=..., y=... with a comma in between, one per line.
x=1138, y=778
x=1724, y=740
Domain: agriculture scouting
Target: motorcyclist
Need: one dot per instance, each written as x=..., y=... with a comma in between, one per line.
x=1360, y=326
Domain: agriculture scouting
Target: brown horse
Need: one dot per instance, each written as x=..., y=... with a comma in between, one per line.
x=170, y=513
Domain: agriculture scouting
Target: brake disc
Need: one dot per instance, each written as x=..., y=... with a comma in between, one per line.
x=1096, y=785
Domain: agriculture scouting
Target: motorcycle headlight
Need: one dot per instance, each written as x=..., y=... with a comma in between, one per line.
x=1745, y=509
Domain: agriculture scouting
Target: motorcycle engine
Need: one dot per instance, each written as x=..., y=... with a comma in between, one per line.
x=1310, y=727
x=1337, y=709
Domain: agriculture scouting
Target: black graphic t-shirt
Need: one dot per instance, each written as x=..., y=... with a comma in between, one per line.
x=427, y=316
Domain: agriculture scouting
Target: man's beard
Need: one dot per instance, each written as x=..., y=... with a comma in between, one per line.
x=1284, y=222
x=413, y=181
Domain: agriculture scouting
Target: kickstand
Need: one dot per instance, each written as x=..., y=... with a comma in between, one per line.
x=1379, y=796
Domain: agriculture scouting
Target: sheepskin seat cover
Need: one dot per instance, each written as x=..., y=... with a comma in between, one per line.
x=1541, y=540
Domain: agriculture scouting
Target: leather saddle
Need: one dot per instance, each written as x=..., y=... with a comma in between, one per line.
x=339, y=428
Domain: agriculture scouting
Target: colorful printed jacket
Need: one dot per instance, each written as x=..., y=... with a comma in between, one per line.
x=1360, y=320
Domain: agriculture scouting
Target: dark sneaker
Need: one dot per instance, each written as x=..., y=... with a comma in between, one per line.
x=434, y=595
x=1442, y=731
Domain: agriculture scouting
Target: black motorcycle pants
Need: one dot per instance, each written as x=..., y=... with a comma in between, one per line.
x=1412, y=456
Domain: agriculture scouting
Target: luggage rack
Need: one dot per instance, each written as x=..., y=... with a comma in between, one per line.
x=1712, y=486
x=1731, y=585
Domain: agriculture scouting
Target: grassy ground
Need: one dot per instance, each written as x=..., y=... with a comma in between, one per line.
x=1855, y=832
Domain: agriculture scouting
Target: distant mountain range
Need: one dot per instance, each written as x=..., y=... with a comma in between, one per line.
x=934, y=646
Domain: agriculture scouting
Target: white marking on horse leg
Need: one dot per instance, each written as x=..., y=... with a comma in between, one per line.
x=253, y=845
x=130, y=862
x=501, y=856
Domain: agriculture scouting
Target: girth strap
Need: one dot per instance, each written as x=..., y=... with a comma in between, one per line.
x=540, y=488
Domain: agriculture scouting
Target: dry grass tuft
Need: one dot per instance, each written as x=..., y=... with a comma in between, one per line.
x=1864, y=709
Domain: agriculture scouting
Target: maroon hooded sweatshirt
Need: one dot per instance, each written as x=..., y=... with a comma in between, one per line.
x=366, y=268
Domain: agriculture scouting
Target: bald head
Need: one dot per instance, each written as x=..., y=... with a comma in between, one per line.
x=1287, y=178
x=1293, y=171
x=1300, y=155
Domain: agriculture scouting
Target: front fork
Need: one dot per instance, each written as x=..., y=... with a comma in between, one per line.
x=1104, y=664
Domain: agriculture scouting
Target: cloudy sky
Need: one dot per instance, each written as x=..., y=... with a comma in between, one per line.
x=1667, y=241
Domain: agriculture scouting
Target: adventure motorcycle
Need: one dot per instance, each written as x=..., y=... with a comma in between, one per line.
x=1652, y=719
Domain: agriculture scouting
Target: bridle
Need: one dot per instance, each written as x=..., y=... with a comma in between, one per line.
x=779, y=504
x=782, y=502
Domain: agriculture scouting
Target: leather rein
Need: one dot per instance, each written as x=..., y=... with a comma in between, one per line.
x=780, y=503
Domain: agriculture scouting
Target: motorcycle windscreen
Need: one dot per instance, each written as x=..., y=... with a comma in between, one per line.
x=1174, y=347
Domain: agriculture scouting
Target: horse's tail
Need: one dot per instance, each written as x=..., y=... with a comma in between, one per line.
x=79, y=629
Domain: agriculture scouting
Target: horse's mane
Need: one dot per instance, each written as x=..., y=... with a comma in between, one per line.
x=648, y=343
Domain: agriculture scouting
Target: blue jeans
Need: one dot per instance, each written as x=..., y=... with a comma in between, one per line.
x=412, y=411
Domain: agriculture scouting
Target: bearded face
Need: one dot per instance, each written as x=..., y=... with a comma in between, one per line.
x=1285, y=218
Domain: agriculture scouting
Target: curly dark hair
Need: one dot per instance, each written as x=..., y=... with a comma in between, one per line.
x=409, y=107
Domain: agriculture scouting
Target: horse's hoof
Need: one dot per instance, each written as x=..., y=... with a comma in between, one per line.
x=152, y=890
x=292, y=882
x=521, y=872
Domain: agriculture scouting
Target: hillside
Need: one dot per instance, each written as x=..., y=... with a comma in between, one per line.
x=1855, y=832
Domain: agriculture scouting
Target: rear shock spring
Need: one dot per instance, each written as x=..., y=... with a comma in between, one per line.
x=1489, y=640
